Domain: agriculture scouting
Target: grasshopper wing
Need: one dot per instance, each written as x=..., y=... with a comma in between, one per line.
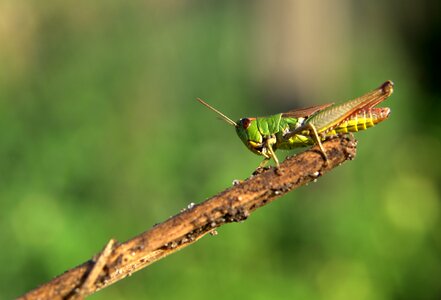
x=305, y=112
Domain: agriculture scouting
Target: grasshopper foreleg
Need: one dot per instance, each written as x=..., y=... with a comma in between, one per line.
x=263, y=163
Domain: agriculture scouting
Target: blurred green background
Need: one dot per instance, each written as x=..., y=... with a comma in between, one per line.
x=101, y=137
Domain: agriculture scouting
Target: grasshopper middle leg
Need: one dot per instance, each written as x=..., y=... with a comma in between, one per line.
x=269, y=153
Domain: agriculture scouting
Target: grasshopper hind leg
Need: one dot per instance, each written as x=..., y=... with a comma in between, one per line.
x=315, y=136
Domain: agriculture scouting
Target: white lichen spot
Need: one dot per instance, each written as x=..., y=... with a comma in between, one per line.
x=236, y=182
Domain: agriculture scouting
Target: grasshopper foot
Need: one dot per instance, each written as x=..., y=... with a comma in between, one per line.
x=259, y=170
x=278, y=171
x=324, y=156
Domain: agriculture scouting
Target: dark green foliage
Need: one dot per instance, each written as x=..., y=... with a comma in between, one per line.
x=101, y=136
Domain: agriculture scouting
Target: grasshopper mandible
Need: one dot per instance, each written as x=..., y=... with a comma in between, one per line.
x=309, y=126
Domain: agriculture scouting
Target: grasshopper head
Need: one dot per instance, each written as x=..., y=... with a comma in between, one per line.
x=246, y=129
x=248, y=132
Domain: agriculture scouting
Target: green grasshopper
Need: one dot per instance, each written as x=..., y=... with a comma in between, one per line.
x=309, y=126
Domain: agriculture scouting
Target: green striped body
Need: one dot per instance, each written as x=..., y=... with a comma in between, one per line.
x=309, y=126
x=262, y=127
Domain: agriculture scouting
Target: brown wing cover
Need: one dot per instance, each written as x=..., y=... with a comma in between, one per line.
x=305, y=112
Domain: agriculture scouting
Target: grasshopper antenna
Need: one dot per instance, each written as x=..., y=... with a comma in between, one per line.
x=224, y=117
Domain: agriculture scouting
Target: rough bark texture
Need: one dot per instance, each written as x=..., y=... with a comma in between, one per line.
x=119, y=260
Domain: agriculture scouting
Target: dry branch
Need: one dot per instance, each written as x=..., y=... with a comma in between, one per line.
x=118, y=261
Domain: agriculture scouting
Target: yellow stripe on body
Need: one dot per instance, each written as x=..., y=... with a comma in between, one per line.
x=361, y=121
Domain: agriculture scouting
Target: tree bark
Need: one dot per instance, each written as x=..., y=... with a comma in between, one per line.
x=119, y=260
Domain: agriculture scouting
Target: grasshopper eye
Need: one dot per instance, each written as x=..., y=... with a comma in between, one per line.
x=245, y=122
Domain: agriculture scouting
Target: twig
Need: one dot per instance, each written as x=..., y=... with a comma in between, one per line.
x=232, y=205
x=88, y=285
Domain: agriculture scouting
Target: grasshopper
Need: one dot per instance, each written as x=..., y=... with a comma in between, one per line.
x=309, y=126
